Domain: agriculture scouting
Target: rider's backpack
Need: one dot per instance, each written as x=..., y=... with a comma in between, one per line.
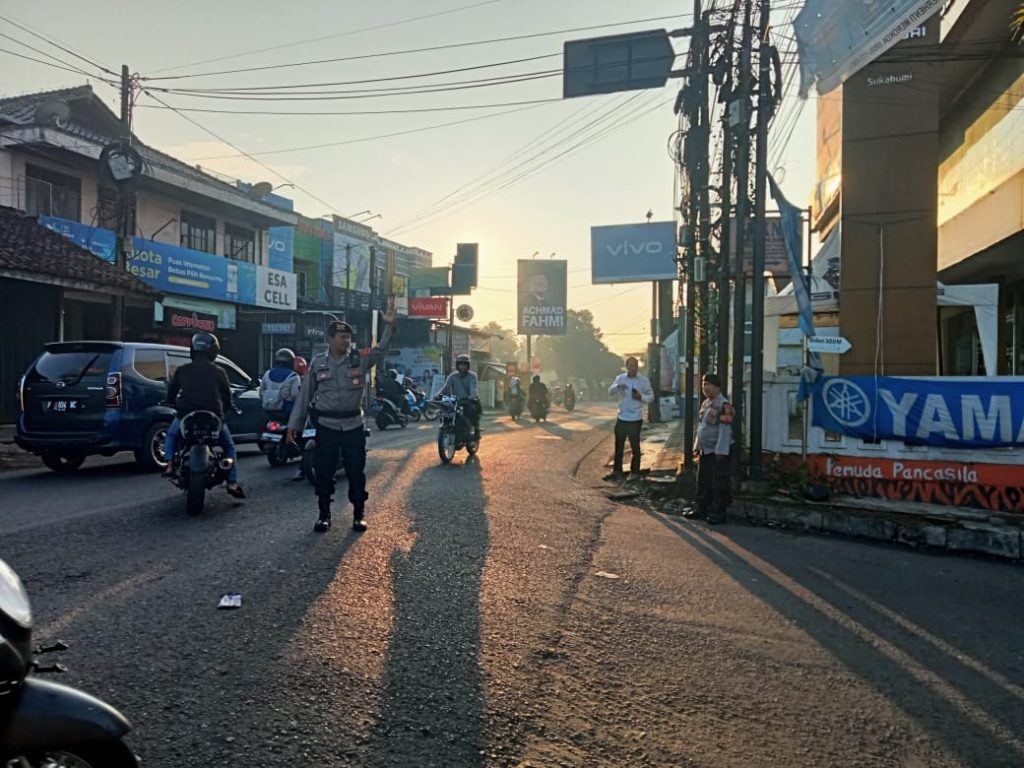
x=273, y=392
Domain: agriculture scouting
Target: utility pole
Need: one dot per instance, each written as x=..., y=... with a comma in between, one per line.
x=742, y=128
x=725, y=221
x=125, y=206
x=348, y=278
x=694, y=92
x=757, y=302
x=654, y=359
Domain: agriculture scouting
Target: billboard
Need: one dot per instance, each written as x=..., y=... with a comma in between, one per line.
x=428, y=306
x=776, y=258
x=633, y=253
x=400, y=290
x=429, y=281
x=541, y=297
x=351, y=263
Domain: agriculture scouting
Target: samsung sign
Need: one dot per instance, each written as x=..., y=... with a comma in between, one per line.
x=633, y=253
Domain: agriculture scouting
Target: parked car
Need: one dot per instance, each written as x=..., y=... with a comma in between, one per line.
x=82, y=398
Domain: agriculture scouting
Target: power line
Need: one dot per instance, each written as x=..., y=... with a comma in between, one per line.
x=363, y=139
x=331, y=37
x=241, y=151
x=295, y=113
x=447, y=46
x=256, y=88
x=52, y=42
x=69, y=68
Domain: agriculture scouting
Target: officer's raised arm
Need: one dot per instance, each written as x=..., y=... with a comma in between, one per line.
x=377, y=353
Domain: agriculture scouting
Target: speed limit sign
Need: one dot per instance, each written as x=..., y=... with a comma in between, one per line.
x=464, y=312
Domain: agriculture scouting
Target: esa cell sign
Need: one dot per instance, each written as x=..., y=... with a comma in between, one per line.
x=275, y=289
x=633, y=253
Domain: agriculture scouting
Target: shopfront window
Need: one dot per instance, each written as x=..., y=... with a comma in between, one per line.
x=198, y=232
x=48, y=193
x=1014, y=329
x=239, y=243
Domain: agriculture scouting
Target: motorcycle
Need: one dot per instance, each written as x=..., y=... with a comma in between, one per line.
x=539, y=409
x=570, y=402
x=388, y=414
x=45, y=724
x=515, y=406
x=412, y=406
x=272, y=442
x=200, y=462
x=454, y=430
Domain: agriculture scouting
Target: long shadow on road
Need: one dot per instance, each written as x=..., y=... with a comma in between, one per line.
x=975, y=714
x=432, y=706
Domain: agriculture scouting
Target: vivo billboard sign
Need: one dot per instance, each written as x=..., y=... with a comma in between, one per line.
x=633, y=253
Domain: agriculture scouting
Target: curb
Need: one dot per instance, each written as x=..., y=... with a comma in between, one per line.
x=968, y=532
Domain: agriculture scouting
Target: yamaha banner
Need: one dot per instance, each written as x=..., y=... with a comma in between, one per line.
x=948, y=412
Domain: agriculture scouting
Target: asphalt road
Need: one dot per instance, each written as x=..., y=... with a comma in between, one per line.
x=470, y=626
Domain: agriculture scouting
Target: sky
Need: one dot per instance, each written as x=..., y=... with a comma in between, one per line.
x=519, y=180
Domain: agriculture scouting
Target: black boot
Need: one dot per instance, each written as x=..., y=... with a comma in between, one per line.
x=323, y=523
x=358, y=520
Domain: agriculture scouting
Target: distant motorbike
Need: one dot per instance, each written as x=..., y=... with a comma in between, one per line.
x=44, y=724
x=387, y=413
x=274, y=444
x=454, y=430
x=570, y=401
x=539, y=409
x=515, y=407
x=413, y=409
x=200, y=462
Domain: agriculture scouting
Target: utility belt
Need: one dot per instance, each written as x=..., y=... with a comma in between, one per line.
x=316, y=412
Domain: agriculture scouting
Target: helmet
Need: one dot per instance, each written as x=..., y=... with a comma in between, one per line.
x=301, y=366
x=462, y=359
x=204, y=346
x=285, y=358
x=393, y=374
x=536, y=379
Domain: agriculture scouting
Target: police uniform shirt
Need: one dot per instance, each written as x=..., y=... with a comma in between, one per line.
x=714, y=426
x=336, y=385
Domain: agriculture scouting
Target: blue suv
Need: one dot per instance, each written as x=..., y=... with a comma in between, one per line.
x=82, y=398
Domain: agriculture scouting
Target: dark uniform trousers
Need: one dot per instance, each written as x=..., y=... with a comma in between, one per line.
x=627, y=430
x=352, y=445
x=714, y=489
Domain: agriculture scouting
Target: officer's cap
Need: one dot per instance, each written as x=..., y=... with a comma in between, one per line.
x=338, y=326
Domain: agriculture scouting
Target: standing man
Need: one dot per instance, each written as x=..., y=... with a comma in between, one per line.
x=333, y=390
x=712, y=445
x=633, y=390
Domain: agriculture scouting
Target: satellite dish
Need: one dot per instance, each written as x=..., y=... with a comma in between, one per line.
x=53, y=113
x=260, y=189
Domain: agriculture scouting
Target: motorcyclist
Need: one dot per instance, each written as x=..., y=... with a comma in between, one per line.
x=280, y=385
x=202, y=385
x=390, y=386
x=570, y=397
x=539, y=393
x=515, y=393
x=463, y=384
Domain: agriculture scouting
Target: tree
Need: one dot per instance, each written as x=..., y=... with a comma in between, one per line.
x=581, y=353
x=504, y=349
x=1017, y=25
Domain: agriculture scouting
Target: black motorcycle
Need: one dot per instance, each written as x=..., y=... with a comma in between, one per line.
x=200, y=462
x=455, y=431
x=44, y=724
x=387, y=413
x=273, y=442
x=539, y=409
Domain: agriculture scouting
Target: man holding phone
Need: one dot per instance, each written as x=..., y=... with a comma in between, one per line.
x=633, y=390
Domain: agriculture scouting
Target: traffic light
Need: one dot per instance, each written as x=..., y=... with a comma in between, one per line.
x=464, y=271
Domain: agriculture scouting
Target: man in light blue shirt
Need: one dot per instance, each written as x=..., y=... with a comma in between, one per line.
x=633, y=391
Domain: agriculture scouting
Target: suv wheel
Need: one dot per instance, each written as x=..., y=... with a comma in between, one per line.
x=151, y=456
x=63, y=462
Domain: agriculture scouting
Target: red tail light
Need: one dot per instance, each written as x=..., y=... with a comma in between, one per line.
x=113, y=390
x=273, y=426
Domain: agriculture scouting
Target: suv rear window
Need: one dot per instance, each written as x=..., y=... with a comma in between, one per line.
x=71, y=367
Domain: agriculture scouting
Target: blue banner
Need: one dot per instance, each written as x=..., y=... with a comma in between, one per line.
x=952, y=413
x=101, y=242
x=633, y=253
x=173, y=269
x=281, y=248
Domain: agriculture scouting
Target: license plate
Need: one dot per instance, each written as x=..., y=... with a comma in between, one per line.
x=62, y=406
x=309, y=433
x=270, y=437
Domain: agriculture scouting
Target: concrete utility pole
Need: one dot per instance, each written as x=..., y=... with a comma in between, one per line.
x=125, y=206
x=742, y=128
x=725, y=221
x=757, y=300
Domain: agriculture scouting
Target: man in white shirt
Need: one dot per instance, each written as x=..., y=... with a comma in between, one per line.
x=633, y=391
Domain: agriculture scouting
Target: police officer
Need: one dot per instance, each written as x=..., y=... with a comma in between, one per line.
x=333, y=389
x=713, y=445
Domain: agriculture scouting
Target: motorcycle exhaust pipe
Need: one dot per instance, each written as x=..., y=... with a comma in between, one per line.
x=226, y=463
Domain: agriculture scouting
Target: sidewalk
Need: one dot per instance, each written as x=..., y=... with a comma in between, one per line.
x=11, y=456
x=914, y=524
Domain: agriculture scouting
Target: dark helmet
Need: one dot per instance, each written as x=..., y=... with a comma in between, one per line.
x=462, y=359
x=393, y=374
x=284, y=358
x=204, y=346
x=536, y=379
